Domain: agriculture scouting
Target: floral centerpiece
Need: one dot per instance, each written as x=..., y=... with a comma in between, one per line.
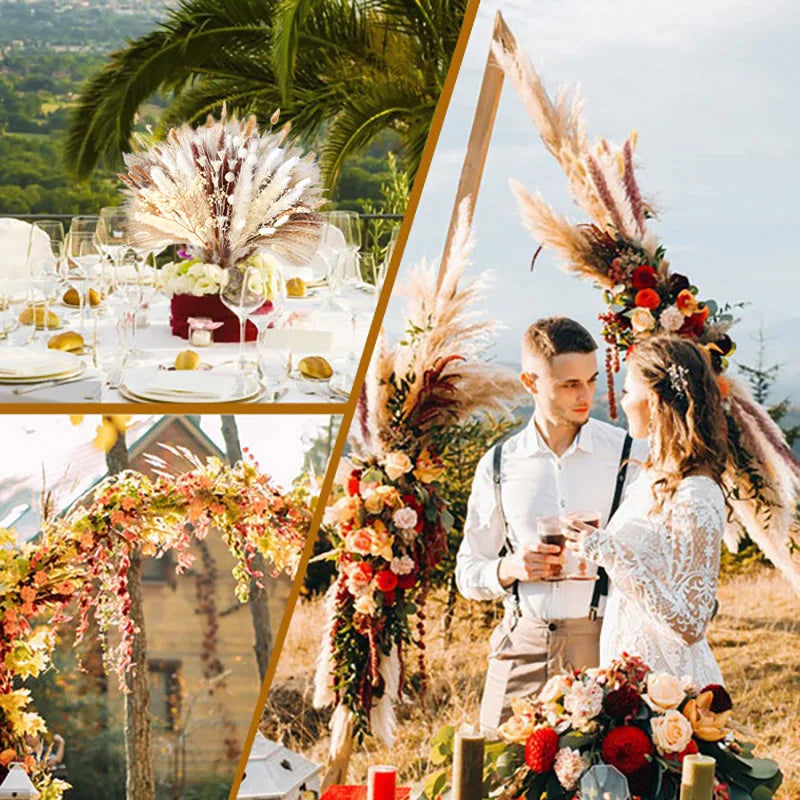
x=388, y=522
x=641, y=722
x=226, y=194
x=194, y=287
x=621, y=254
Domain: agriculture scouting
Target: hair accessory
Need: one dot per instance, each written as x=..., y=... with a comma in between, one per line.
x=678, y=379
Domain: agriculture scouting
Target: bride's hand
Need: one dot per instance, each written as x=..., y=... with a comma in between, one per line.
x=575, y=532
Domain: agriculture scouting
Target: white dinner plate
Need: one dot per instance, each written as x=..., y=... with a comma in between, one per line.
x=155, y=385
x=29, y=365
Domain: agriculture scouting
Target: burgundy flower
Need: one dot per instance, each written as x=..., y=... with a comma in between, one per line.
x=721, y=701
x=677, y=283
x=622, y=703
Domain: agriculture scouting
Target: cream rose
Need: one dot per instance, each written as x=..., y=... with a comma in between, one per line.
x=365, y=605
x=397, y=464
x=672, y=732
x=671, y=319
x=405, y=517
x=517, y=729
x=642, y=320
x=373, y=501
x=663, y=691
x=554, y=689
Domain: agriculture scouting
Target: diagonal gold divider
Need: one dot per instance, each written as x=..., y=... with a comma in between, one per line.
x=352, y=403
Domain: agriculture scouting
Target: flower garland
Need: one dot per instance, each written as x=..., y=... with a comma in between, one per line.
x=388, y=521
x=389, y=526
x=85, y=557
x=641, y=722
x=622, y=256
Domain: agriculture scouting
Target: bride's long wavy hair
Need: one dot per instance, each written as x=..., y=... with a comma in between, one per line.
x=688, y=429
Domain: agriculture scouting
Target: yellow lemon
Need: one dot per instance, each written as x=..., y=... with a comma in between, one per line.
x=187, y=359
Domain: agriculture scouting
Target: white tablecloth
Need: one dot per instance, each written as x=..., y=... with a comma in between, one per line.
x=329, y=334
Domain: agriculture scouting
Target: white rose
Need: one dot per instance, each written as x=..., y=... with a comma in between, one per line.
x=405, y=517
x=402, y=565
x=663, y=691
x=671, y=319
x=672, y=732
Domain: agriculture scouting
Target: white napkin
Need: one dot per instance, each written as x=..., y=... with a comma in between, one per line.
x=23, y=362
x=198, y=385
x=14, y=239
x=298, y=340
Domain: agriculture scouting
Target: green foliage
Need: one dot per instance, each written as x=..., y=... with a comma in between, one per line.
x=462, y=447
x=343, y=73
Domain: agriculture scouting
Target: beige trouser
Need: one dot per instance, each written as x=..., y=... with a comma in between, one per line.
x=523, y=659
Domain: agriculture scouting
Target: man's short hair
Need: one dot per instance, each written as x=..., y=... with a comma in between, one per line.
x=555, y=336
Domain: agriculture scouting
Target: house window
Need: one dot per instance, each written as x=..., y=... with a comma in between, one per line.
x=165, y=693
x=159, y=570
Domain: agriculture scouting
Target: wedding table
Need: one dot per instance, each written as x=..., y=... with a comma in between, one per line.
x=316, y=329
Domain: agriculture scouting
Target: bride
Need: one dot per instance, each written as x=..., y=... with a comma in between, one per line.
x=662, y=547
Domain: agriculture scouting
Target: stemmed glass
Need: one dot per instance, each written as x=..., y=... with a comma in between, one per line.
x=244, y=291
x=273, y=361
x=83, y=223
x=125, y=299
x=83, y=266
x=112, y=232
x=44, y=264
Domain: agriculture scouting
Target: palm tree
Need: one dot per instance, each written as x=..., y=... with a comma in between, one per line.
x=341, y=71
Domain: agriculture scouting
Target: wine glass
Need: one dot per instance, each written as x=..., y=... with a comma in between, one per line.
x=83, y=266
x=83, y=223
x=125, y=298
x=244, y=291
x=45, y=251
x=112, y=232
x=349, y=223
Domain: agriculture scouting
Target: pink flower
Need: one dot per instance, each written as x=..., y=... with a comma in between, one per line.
x=405, y=517
x=569, y=766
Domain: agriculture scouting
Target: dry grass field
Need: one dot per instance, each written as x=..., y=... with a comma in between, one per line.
x=756, y=638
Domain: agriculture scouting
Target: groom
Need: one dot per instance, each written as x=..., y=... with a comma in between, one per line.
x=563, y=461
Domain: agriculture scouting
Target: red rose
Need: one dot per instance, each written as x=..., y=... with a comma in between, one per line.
x=622, y=703
x=354, y=483
x=677, y=758
x=406, y=581
x=541, y=749
x=721, y=700
x=627, y=749
x=644, y=277
x=648, y=298
x=386, y=580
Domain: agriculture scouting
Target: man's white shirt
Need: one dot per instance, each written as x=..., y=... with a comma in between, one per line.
x=537, y=483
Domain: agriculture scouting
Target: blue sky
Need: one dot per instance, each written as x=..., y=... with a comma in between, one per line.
x=710, y=87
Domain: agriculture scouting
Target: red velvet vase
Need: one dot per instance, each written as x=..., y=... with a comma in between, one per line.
x=183, y=306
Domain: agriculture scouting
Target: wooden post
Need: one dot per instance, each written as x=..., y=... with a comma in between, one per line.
x=480, y=135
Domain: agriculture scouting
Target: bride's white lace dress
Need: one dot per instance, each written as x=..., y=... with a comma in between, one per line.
x=663, y=569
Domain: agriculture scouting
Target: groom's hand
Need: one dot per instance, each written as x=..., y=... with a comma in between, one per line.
x=532, y=564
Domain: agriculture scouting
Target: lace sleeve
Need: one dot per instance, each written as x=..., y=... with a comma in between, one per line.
x=669, y=566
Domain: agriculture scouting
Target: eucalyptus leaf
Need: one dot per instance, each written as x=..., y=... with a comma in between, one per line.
x=435, y=783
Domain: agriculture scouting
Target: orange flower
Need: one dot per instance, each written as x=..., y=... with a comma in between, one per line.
x=707, y=725
x=648, y=298
x=724, y=386
x=7, y=756
x=687, y=303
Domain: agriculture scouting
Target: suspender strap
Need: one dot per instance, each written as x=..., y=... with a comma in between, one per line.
x=508, y=547
x=601, y=584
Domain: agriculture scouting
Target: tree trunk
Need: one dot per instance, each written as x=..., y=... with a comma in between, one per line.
x=259, y=600
x=139, y=778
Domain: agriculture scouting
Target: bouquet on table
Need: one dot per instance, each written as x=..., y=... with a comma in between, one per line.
x=641, y=722
x=230, y=197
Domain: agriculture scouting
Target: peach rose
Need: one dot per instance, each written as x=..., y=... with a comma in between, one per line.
x=427, y=471
x=664, y=691
x=671, y=732
x=360, y=541
x=642, y=320
x=344, y=510
x=707, y=725
x=390, y=495
x=396, y=465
